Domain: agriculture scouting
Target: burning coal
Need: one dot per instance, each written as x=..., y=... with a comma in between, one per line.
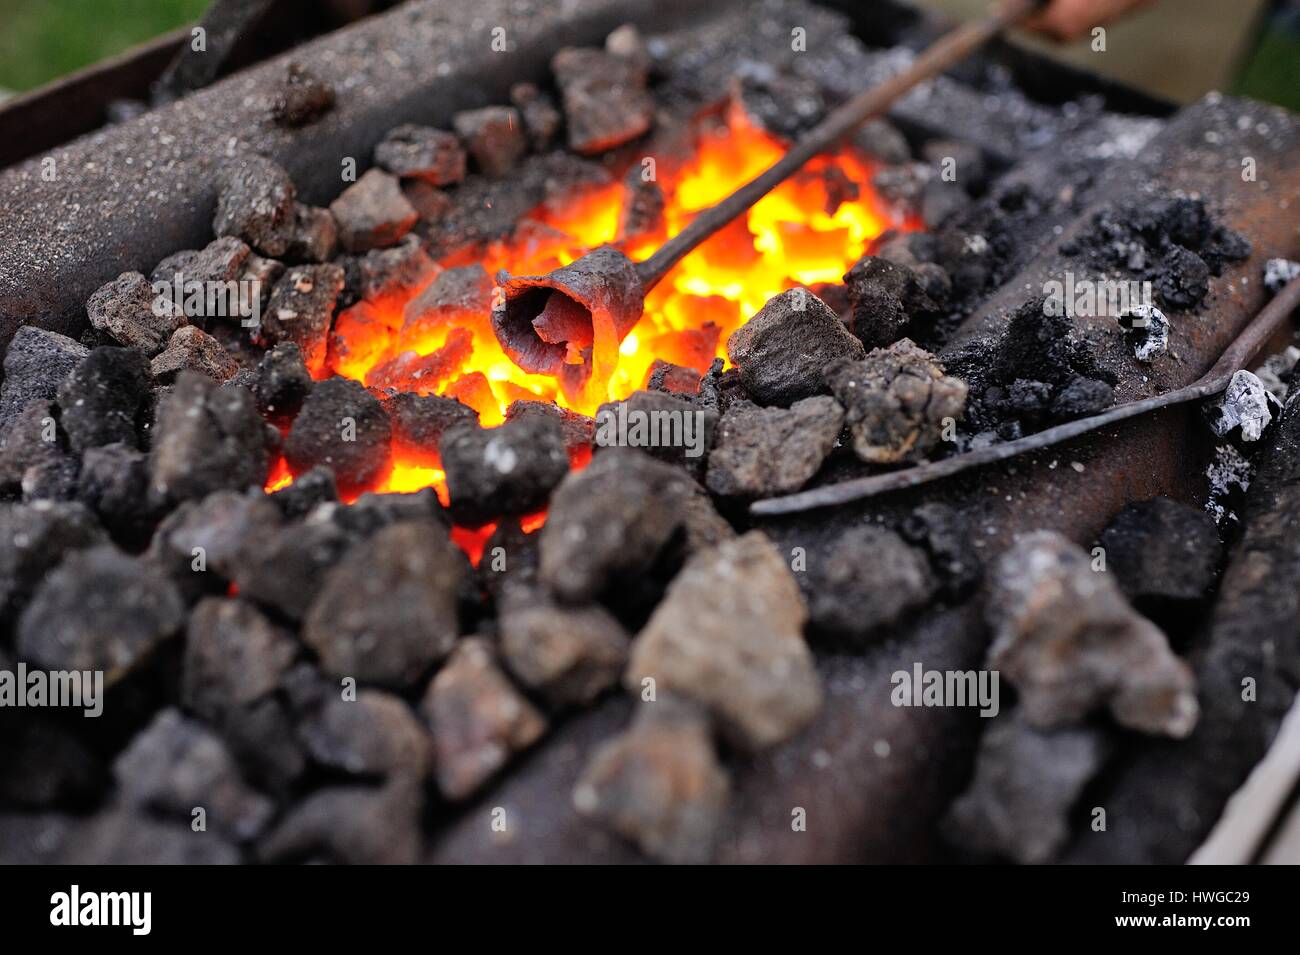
x=807, y=231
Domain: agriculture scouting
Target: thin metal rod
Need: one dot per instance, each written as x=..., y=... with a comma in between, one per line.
x=1235, y=357
x=940, y=55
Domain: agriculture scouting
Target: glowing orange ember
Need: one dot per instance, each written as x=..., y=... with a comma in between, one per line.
x=811, y=229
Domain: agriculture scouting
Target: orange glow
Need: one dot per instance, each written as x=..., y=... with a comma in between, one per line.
x=279, y=477
x=804, y=232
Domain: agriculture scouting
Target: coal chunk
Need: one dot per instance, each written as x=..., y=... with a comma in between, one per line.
x=1026, y=782
x=374, y=735
x=35, y=364
x=31, y=443
x=642, y=213
x=234, y=656
x=537, y=110
x=33, y=539
x=283, y=382
x=674, y=379
x=942, y=201
x=99, y=610
x=421, y=421
x=261, y=737
x=659, y=783
x=263, y=273
x=494, y=136
x=301, y=310
x=508, y=470
x=175, y=765
x=942, y=532
x=308, y=490
x=114, y=483
x=102, y=398
x=315, y=234
x=886, y=299
x=193, y=349
x=966, y=159
x=902, y=185
x=627, y=43
x=356, y=825
x=729, y=635
x=422, y=152
x=128, y=310
x=372, y=512
x=568, y=655
x=881, y=139
x=783, y=351
x=1162, y=552
x=604, y=98
x=301, y=97
x=865, y=580
x=221, y=260
x=52, y=479
x=284, y=567
x=779, y=102
x=256, y=204
x=398, y=272
x=478, y=719
x=579, y=430
x=387, y=612
x=1080, y=398
x=372, y=212
x=211, y=535
x=766, y=451
x=671, y=428
x=1069, y=642
x=1183, y=279
x=454, y=297
x=609, y=523
x=206, y=439
x=897, y=402
x=1036, y=360
x=432, y=203
x=344, y=427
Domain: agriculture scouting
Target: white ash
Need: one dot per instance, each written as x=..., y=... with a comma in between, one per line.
x=1149, y=329
x=1275, y=367
x=1127, y=136
x=1246, y=404
x=1278, y=272
x=1228, y=472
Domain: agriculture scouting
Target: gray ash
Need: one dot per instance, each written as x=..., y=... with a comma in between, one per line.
x=1038, y=373
x=1172, y=242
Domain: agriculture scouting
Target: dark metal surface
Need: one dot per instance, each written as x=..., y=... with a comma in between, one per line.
x=1244, y=348
x=223, y=23
x=73, y=105
x=127, y=196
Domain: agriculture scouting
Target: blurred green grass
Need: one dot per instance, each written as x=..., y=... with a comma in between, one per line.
x=44, y=39
x=41, y=40
x=1272, y=72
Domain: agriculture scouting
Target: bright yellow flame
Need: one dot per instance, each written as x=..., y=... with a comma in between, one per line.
x=810, y=229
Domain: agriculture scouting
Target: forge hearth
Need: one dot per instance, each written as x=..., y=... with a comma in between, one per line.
x=364, y=556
